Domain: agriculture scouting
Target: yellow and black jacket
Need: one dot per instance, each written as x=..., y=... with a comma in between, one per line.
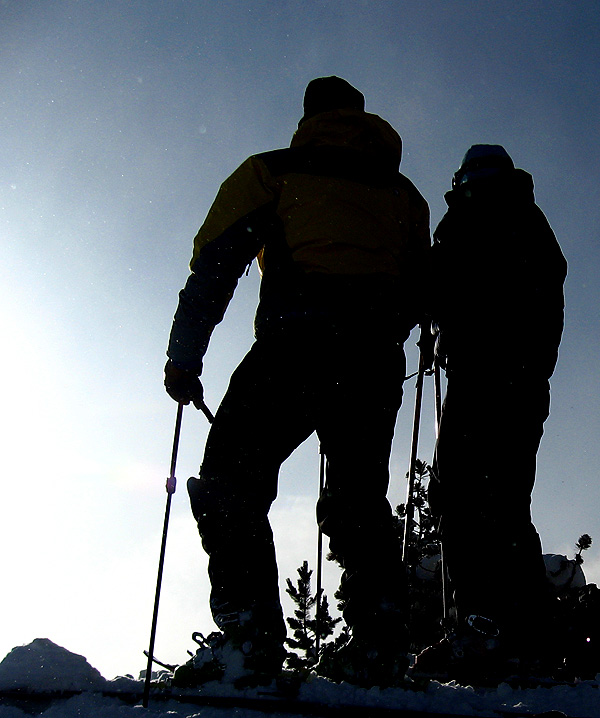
x=338, y=231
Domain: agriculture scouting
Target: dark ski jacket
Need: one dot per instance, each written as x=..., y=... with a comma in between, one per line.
x=338, y=231
x=498, y=275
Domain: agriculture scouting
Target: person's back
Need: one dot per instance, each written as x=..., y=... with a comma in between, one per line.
x=353, y=227
x=339, y=232
x=498, y=272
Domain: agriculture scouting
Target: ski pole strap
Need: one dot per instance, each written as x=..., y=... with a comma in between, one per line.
x=205, y=410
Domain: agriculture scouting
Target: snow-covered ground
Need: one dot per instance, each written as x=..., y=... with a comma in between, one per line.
x=42, y=665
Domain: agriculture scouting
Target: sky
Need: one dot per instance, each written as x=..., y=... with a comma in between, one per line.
x=118, y=122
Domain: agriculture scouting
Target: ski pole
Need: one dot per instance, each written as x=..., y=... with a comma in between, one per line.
x=410, y=505
x=437, y=383
x=437, y=388
x=171, y=486
x=319, y=559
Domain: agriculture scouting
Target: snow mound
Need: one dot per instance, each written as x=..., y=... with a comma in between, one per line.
x=44, y=666
x=562, y=572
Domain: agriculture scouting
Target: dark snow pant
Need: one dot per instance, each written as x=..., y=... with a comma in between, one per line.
x=346, y=388
x=490, y=431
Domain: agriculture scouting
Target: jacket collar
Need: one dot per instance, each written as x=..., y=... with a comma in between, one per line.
x=355, y=129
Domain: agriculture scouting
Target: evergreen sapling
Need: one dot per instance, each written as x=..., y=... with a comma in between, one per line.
x=424, y=565
x=304, y=621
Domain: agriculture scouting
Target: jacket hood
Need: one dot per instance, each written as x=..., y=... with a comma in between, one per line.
x=355, y=129
x=515, y=185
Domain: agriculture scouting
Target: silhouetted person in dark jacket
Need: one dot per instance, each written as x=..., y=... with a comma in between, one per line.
x=498, y=274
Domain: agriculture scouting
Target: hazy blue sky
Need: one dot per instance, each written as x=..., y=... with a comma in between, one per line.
x=118, y=122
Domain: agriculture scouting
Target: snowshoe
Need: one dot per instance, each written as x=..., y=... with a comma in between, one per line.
x=365, y=663
x=219, y=658
x=467, y=660
x=477, y=655
x=204, y=666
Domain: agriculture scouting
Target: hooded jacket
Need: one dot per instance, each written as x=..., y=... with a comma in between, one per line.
x=338, y=231
x=498, y=274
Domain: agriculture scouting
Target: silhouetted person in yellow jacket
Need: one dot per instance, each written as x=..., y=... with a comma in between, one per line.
x=339, y=235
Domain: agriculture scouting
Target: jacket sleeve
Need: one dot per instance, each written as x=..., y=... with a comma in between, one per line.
x=419, y=257
x=421, y=231
x=233, y=233
x=548, y=273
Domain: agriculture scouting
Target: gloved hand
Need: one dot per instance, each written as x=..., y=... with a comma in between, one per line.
x=440, y=351
x=183, y=385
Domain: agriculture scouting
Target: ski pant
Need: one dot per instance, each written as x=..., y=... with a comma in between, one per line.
x=349, y=391
x=485, y=465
